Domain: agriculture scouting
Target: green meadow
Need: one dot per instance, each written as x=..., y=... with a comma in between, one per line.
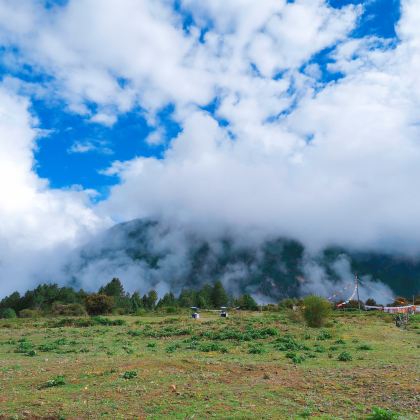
x=250, y=365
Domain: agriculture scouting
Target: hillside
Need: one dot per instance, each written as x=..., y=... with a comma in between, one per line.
x=145, y=253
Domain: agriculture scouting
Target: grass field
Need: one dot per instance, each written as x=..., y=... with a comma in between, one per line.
x=251, y=365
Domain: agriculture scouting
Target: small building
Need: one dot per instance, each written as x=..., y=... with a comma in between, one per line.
x=223, y=312
x=194, y=312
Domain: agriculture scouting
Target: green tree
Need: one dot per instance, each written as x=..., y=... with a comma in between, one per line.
x=152, y=298
x=13, y=301
x=149, y=300
x=288, y=303
x=7, y=313
x=203, y=298
x=136, y=302
x=99, y=304
x=187, y=298
x=316, y=310
x=168, y=300
x=246, y=301
x=219, y=297
x=370, y=302
x=114, y=288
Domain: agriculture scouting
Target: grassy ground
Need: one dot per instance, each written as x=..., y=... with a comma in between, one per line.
x=263, y=365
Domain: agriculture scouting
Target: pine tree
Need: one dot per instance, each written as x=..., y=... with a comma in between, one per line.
x=152, y=298
x=219, y=297
x=187, y=298
x=135, y=302
x=246, y=301
x=114, y=288
x=168, y=300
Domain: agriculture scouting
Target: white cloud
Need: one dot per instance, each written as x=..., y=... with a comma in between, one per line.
x=87, y=146
x=39, y=223
x=325, y=163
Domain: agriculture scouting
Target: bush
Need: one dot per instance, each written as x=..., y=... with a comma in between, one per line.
x=73, y=309
x=288, y=342
x=57, y=381
x=100, y=320
x=130, y=374
x=172, y=348
x=288, y=303
x=324, y=335
x=316, y=310
x=345, y=356
x=72, y=322
x=29, y=313
x=98, y=304
x=24, y=346
x=256, y=349
x=383, y=414
x=7, y=313
x=208, y=347
x=364, y=347
x=295, y=358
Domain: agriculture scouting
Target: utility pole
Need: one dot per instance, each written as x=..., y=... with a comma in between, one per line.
x=357, y=290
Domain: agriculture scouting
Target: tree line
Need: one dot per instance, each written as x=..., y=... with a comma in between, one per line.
x=112, y=298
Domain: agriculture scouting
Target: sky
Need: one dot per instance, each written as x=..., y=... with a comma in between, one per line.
x=294, y=118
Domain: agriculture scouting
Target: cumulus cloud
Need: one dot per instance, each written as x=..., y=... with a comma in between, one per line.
x=39, y=224
x=87, y=146
x=283, y=151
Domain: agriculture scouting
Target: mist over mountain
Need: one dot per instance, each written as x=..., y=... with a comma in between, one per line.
x=145, y=253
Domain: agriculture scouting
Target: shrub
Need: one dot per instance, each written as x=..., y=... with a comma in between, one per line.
x=295, y=358
x=72, y=322
x=208, y=347
x=29, y=313
x=364, y=347
x=255, y=349
x=383, y=414
x=57, y=381
x=316, y=310
x=24, y=346
x=324, y=335
x=130, y=374
x=172, y=348
x=135, y=333
x=288, y=342
x=100, y=320
x=98, y=304
x=288, y=303
x=7, y=313
x=345, y=356
x=73, y=309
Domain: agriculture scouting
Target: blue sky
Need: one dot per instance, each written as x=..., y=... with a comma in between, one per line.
x=126, y=139
x=260, y=118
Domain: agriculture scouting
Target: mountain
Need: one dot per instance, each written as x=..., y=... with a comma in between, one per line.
x=145, y=254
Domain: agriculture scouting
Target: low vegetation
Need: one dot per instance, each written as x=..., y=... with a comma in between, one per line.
x=250, y=365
